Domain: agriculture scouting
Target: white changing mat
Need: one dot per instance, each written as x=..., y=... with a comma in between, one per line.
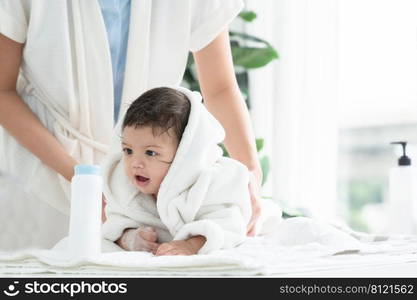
x=299, y=245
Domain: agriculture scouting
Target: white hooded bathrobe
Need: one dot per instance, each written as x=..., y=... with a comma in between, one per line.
x=203, y=192
x=66, y=78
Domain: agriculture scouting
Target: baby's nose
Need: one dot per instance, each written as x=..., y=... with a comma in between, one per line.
x=138, y=163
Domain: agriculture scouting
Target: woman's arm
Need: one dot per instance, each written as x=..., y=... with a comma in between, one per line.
x=17, y=118
x=223, y=99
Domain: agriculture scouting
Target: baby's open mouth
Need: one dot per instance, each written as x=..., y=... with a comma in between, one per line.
x=142, y=181
x=141, y=178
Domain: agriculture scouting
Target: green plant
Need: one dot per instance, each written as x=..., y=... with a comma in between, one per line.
x=361, y=193
x=248, y=52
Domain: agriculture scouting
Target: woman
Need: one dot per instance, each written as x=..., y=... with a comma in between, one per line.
x=60, y=86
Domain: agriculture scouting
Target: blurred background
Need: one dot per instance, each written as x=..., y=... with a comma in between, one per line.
x=329, y=84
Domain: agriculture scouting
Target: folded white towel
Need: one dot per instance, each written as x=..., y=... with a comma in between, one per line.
x=301, y=245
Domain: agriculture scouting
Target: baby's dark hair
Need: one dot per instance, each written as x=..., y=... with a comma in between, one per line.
x=161, y=108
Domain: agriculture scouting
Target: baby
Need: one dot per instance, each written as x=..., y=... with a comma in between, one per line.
x=169, y=190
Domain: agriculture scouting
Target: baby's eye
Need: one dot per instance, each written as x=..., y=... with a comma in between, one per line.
x=151, y=153
x=128, y=151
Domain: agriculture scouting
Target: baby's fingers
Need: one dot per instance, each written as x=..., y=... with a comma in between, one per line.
x=176, y=251
x=170, y=252
x=163, y=249
x=151, y=247
x=148, y=234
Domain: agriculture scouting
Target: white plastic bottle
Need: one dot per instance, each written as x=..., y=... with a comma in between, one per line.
x=402, y=195
x=84, y=240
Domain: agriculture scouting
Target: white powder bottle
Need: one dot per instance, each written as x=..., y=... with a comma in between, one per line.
x=84, y=240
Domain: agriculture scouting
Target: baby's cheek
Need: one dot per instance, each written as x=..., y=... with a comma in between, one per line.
x=126, y=166
x=160, y=177
x=157, y=178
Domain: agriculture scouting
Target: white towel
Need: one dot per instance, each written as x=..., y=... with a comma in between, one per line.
x=300, y=246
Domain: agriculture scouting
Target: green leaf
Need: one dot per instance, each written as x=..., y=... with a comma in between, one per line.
x=248, y=37
x=243, y=82
x=247, y=16
x=225, y=153
x=259, y=144
x=287, y=214
x=265, y=168
x=190, y=60
x=251, y=58
x=188, y=76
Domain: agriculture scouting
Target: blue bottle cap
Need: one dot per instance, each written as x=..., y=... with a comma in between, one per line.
x=87, y=170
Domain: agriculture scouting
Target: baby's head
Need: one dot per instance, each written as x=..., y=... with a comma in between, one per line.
x=151, y=132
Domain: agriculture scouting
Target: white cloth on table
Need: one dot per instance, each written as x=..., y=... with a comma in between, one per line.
x=300, y=246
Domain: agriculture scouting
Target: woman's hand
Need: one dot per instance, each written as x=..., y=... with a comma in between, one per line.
x=255, y=182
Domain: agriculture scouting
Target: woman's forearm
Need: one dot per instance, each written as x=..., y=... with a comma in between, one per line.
x=17, y=118
x=229, y=108
x=223, y=99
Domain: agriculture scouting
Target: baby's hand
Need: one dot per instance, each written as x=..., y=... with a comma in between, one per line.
x=176, y=248
x=187, y=247
x=140, y=239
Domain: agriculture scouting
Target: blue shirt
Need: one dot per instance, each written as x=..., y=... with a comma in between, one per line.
x=116, y=15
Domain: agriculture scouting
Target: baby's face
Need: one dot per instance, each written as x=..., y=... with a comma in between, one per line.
x=147, y=157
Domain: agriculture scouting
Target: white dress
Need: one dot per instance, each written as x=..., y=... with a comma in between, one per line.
x=66, y=78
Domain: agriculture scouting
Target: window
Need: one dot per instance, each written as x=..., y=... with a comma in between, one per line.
x=377, y=103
